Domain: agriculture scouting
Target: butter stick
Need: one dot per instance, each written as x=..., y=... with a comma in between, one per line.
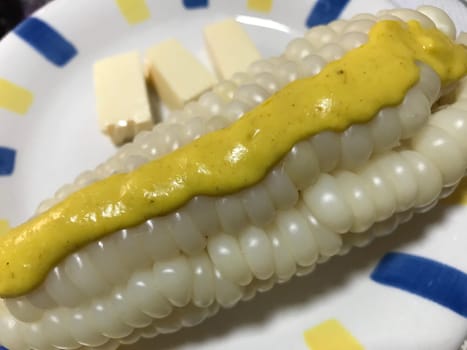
x=230, y=48
x=176, y=74
x=123, y=106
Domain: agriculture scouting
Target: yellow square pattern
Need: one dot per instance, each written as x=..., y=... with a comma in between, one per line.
x=14, y=98
x=331, y=335
x=135, y=11
x=260, y=5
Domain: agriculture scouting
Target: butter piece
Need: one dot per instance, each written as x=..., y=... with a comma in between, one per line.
x=123, y=106
x=230, y=48
x=176, y=74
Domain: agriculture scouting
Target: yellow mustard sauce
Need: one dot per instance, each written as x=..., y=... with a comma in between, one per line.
x=347, y=91
x=4, y=227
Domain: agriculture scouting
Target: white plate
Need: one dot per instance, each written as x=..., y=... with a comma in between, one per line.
x=58, y=138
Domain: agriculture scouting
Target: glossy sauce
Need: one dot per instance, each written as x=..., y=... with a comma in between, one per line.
x=347, y=91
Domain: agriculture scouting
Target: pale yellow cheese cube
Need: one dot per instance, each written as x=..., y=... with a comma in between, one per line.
x=176, y=74
x=123, y=106
x=230, y=48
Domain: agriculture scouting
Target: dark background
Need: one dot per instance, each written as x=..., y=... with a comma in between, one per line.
x=13, y=11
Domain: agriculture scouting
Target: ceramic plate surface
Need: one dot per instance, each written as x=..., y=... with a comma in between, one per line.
x=49, y=135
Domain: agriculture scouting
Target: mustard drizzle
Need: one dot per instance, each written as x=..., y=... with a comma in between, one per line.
x=347, y=91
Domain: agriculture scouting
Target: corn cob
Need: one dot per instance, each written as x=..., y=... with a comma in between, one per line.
x=331, y=192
